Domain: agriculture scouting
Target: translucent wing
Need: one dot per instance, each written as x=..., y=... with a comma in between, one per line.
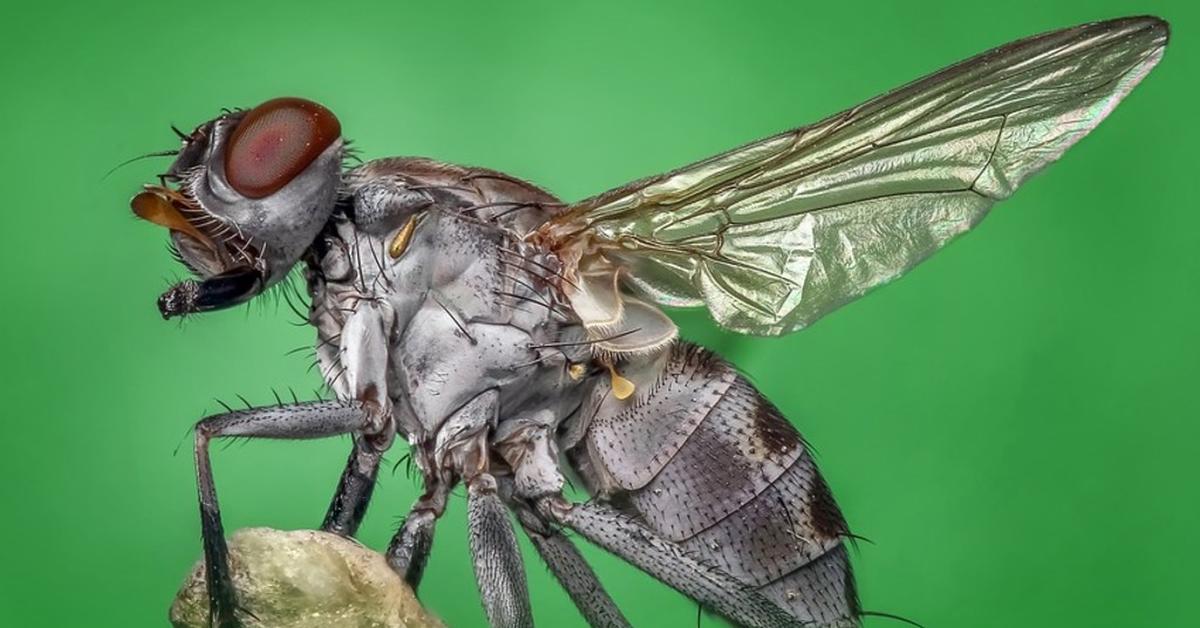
x=773, y=235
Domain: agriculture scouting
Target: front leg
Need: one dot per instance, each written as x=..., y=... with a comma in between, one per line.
x=363, y=355
x=316, y=419
x=349, y=504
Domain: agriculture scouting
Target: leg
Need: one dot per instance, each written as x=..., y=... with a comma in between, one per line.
x=409, y=550
x=666, y=561
x=499, y=571
x=573, y=573
x=353, y=494
x=461, y=436
x=363, y=353
x=301, y=421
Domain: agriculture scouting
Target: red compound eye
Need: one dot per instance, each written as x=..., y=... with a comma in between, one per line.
x=275, y=142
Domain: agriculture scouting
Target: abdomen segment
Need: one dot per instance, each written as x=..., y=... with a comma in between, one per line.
x=704, y=460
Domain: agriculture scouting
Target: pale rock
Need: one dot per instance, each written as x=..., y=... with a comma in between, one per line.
x=306, y=579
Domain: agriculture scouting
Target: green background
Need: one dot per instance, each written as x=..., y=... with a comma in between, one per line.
x=1014, y=424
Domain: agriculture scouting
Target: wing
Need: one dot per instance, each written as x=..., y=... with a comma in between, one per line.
x=775, y=234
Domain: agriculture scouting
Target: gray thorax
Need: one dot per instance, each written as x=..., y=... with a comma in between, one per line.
x=455, y=328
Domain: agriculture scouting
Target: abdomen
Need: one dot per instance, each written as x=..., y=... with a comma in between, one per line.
x=703, y=459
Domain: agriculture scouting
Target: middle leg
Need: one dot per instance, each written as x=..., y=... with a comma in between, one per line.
x=499, y=570
x=409, y=550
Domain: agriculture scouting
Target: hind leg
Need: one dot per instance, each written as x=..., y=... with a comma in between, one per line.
x=666, y=561
x=572, y=572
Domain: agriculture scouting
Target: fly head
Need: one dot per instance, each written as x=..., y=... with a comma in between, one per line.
x=248, y=193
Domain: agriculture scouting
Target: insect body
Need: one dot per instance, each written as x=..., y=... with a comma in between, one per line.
x=512, y=339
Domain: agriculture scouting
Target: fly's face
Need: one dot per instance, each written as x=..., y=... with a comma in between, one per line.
x=251, y=190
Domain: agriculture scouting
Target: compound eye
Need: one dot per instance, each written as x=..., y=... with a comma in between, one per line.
x=276, y=141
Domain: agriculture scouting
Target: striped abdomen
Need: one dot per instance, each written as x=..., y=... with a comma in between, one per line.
x=707, y=462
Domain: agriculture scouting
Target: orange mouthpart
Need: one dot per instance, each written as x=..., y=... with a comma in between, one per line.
x=158, y=205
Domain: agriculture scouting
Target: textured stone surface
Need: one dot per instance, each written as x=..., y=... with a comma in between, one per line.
x=306, y=579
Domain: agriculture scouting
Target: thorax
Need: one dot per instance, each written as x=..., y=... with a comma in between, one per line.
x=466, y=307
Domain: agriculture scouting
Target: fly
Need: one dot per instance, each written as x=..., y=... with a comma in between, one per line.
x=501, y=332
